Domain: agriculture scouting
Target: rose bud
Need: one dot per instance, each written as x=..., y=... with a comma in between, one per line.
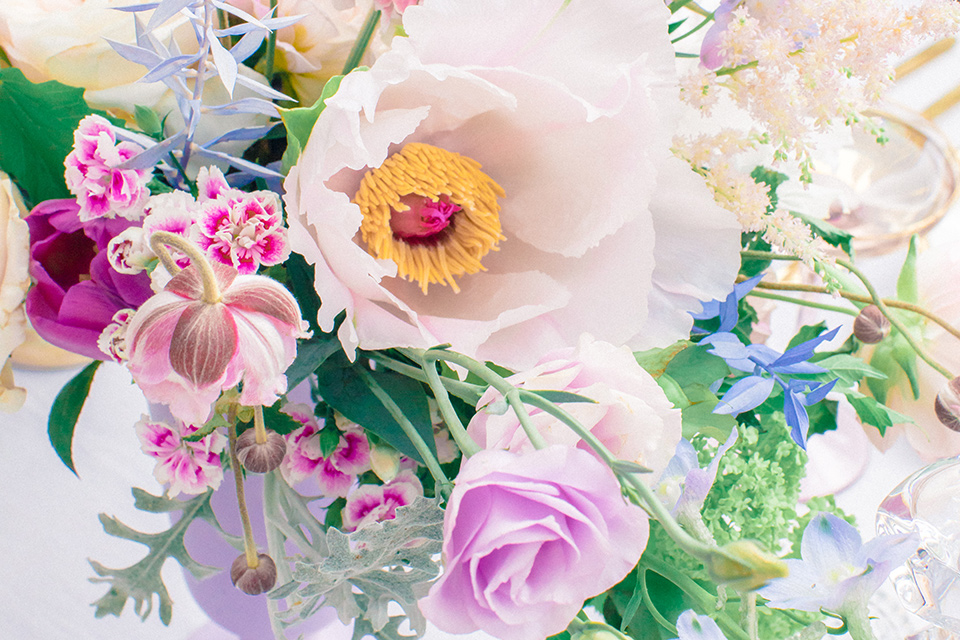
x=260, y=457
x=871, y=326
x=254, y=580
x=947, y=405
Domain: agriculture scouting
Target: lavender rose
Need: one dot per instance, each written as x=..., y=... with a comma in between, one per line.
x=527, y=538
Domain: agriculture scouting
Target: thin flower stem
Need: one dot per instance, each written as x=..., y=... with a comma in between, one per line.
x=457, y=431
x=363, y=39
x=748, y=614
x=650, y=502
x=275, y=547
x=803, y=303
x=767, y=255
x=208, y=12
x=648, y=603
x=271, y=48
x=259, y=429
x=466, y=391
x=158, y=240
x=429, y=459
x=702, y=24
x=249, y=545
x=510, y=393
x=877, y=300
x=857, y=621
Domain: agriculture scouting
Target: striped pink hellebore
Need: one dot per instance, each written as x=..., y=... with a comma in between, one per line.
x=183, y=350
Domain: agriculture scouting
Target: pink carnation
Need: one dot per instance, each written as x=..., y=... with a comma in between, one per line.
x=184, y=351
x=103, y=190
x=335, y=474
x=188, y=467
x=527, y=538
x=237, y=228
x=371, y=503
x=632, y=417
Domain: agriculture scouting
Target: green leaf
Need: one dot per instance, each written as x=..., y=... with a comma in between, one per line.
x=300, y=278
x=274, y=419
x=655, y=361
x=37, y=122
x=329, y=439
x=65, y=412
x=299, y=123
x=696, y=366
x=143, y=580
x=823, y=417
x=674, y=392
x=873, y=413
x=806, y=332
x=311, y=354
x=342, y=387
x=698, y=417
x=559, y=397
x=907, y=281
x=148, y=120
x=850, y=369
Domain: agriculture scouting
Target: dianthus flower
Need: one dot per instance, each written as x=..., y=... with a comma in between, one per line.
x=371, y=503
x=189, y=467
x=336, y=473
x=102, y=189
x=505, y=193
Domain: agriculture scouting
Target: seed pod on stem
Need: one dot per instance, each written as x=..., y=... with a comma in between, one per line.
x=254, y=580
x=947, y=405
x=871, y=326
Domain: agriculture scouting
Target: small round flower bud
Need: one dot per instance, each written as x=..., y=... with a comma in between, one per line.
x=254, y=580
x=385, y=462
x=257, y=457
x=947, y=405
x=871, y=326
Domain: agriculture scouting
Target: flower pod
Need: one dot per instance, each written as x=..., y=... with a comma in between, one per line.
x=871, y=326
x=744, y=566
x=260, y=457
x=254, y=580
x=947, y=405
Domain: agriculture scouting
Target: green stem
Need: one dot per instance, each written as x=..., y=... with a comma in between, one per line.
x=363, y=39
x=259, y=429
x=429, y=459
x=457, y=431
x=748, y=613
x=510, y=393
x=877, y=300
x=702, y=24
x=648, y=603
x=249, y=544
x=803, y=303
x=158, y=240
x=767, y=255
x=858, y=622
x=271, y=48
x=275, y=547
x=469, y=393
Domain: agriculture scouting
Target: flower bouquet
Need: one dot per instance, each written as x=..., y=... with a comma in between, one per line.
x=470, y=300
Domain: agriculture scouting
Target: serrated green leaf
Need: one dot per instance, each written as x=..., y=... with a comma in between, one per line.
x=299, y=123
x=831, y=235
x=37, y=122
x=342, y=387
x=655, y=361
x=907, y=290
x=142, y=581
x=211, y=425
x=65, y=412
x=393, y=560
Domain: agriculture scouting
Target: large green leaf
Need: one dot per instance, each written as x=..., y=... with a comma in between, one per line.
x=342, y=387
x=310, y=355
x=65, y=412
x=36, y=132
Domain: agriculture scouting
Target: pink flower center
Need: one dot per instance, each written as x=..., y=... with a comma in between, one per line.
x=425, y=220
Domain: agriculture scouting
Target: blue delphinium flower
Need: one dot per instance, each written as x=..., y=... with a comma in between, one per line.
x=690, y=626
x=683, y=485
x=766, y=366
x=837, y=572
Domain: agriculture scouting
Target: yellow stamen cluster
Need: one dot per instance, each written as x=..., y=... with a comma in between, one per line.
x=430, y=172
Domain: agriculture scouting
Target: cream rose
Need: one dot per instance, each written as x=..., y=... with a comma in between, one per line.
x=65, y=40
x=14, y=280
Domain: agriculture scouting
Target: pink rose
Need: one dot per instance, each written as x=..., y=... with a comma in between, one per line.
x=527, y=538
x=632, y=417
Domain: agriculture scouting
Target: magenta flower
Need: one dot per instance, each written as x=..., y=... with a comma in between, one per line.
x=371, y=503
x=188, y=467
x=335, y=474
x=527, y=538
x=183, y=350
x=103, y=190
x=76, y=293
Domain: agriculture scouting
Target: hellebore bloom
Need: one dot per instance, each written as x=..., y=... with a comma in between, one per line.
x=690, y=626
x=188, y=467
x=527, y=538
x=77, y=292
x=631, y=416
x=184, y=349
x=836, y=570
x=505, y=191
